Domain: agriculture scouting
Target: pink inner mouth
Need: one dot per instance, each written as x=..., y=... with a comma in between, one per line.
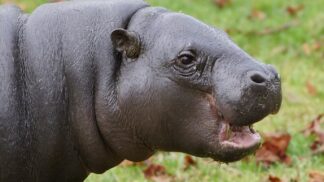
x=231, y=136
x=238, y=136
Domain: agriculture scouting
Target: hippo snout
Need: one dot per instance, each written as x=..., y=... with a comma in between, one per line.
x=256, y=94
x=261, y=95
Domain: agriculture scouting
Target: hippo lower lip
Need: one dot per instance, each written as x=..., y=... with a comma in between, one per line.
x=238, y=137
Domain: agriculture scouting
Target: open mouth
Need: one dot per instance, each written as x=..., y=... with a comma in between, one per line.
x=231, y=136
x=238, y=137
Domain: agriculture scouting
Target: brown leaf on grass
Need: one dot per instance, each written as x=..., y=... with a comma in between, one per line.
x=157, y=173
x=274, y=149
x=315, y=128
x=222, y=3
x=294, y=10
x=154, y=170
x=309, y=48
x=311, y=88
x=316, y=176
x=316, y=46
x=274, y=179
x=319, y=150
x=188, y=162
x=257, y=15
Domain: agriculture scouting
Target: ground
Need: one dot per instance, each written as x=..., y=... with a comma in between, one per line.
x=287, y=34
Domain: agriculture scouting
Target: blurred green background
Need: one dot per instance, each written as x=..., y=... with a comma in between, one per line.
x=288, y=34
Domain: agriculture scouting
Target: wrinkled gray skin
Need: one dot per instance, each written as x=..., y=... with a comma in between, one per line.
x=87, y=84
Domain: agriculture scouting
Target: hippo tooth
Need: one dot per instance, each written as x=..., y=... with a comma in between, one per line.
x=251, y=129
x=228, y=132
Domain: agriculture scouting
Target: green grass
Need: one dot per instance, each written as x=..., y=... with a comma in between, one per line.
x=284, y=49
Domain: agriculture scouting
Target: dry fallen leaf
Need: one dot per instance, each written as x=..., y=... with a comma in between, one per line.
x=157, y=173
x=274, y=179
x=307, y=49
x=257, y=15
x=154, y=170
x=274, y=149
x=311, y=88
x=222, y=3
x=316, y=46
x=316, y=176
x=293, y=10
x=189, y=161
x=315, y=128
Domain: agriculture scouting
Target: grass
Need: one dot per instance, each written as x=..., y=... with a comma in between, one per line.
x=299, y=64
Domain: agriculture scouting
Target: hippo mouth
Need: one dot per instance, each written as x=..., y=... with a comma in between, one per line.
x=238, y=137
x=236, y=141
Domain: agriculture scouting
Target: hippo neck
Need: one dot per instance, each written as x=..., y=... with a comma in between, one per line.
x=101, y=129
x=93, y=97
x=112, y=121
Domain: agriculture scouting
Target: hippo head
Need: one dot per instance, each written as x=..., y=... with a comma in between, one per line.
x=185, y=86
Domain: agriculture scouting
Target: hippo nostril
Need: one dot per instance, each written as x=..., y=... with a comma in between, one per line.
x=257, y=78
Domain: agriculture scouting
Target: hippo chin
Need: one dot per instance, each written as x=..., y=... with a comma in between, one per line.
x=87, y=84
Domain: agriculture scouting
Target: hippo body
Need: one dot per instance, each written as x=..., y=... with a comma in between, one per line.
x=87, y=84
x=57, y=45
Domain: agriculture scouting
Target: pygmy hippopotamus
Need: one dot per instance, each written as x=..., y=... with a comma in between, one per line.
x=87, y=84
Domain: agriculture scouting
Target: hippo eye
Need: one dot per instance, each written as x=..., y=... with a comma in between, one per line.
x=186, y=58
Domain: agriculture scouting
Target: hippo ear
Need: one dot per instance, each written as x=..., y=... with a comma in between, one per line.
x=126, y=41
